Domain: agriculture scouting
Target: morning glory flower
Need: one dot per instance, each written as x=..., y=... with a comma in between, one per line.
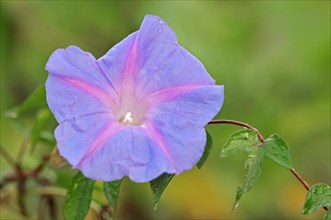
x=138, y=111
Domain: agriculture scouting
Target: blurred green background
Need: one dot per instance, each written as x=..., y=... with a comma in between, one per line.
x=272, y=56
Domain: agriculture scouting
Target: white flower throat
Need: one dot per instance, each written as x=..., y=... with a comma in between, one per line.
x=128, y=118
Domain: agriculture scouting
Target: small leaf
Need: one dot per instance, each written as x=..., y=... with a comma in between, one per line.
x=254, y=170
x=240, y=141
x=327, y=215
x=206, y=152
x=111, y=190
x=317, y=197
x=41, y=121
x=277, y=150
x=36, y=99
x=247, y=141
x=78, y=198
x=56, y=160
x=158, y=185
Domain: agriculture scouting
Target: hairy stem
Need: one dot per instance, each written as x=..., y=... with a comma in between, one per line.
x=242, y=124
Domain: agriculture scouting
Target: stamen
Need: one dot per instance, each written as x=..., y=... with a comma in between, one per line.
x=127, y=118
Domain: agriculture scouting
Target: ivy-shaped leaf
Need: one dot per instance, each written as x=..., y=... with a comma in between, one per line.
x=36, y=99
x=206, y=152
x=318, y=196
x=246, y=141
x=254, y=170
x=158, y=185
x=78, y=198
x=112, y=190
x=240, y=141
x=277, y=150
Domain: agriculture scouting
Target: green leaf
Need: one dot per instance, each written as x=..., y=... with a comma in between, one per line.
x=41, y=121
x=277, y=150
x=78, y=198
x=158, y=185
x=206, y=152
x=254, y=171
x=246, y=141
x=36, y=99
x=240, y=141
x=112, y=190
x=317, y=197
x=327, y=215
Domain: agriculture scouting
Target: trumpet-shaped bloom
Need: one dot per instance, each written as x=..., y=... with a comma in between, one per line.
x=138, y=111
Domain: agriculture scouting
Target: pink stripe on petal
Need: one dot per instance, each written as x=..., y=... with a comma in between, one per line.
x=92, y=90
x=130, y=69
x=101, y=139
x=158, y=139
x=171, y=93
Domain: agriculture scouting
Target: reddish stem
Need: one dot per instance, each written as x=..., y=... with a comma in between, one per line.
x=302, y=181
x=239, y=123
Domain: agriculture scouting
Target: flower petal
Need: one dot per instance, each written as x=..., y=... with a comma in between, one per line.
x=195, y=106
x=182, y=145
x=114, y=62
x=80, y=137
x=129, y=152
x=76, y=85
x=162, y=62
x=179, y=122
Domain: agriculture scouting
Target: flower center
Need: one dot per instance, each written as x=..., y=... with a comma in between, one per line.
x=131, y=112
x=128, y=118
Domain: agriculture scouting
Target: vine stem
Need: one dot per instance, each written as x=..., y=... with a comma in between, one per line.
x=242, y=124
x=239, y=123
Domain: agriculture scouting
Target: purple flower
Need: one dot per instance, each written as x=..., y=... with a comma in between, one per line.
x=138, y=111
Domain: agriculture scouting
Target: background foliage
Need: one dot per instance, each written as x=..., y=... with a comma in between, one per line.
x=272, y=56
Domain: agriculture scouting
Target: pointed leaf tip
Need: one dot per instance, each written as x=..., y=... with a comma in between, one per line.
x=238, y=197
x=112, y=190
x=206, y=152
x=158, y=186
x=254, y=170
